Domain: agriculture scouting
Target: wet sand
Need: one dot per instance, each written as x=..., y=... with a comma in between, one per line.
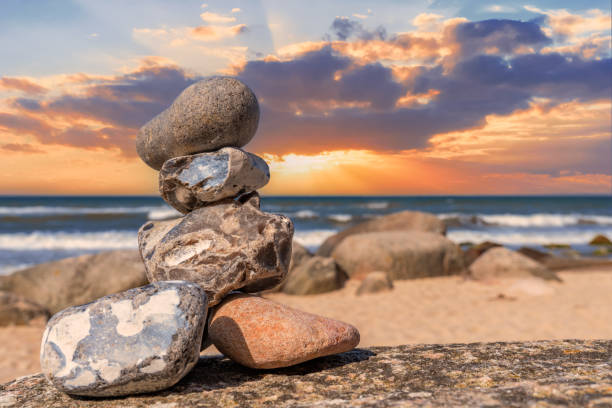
x=434, y=310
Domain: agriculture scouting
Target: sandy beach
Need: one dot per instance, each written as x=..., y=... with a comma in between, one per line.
x=432, y=310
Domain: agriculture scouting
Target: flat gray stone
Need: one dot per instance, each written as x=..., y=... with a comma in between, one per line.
x=574, y=373
x=190, y=182
x=229, y=245
x=141, y=340
x=208, y=115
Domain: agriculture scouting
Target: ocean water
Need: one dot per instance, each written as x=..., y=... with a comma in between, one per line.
x=41, y=229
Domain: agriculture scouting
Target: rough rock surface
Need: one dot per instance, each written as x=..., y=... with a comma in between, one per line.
x=208, y=115
x=402, y=254
x=314, y=275
x=500, y=262
x=401, y=221
x=375, y=282
x=74, y=281
x=141, y=340
x=260, y=333
x=225, y=246
x=189, y=182
x=17, y=310
x=548, y=373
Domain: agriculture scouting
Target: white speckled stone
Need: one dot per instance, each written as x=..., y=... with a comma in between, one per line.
x=141, y=340
x=189, y=182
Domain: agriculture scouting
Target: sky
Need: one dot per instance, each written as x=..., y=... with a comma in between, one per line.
x=357, y=97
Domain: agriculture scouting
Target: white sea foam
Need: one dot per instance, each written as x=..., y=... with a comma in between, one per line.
x=63, y=210
x=39, y=240
x=163, y=213
x=304, y=214
x=527, y=238
x=341, y=217
x=377, y=205
x=532, y=220
x=314, y=238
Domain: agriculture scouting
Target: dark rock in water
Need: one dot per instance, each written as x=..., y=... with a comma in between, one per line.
x=375, y=282
x=225, y=246
x=189, y=182
x=142, y=340
x=74, y=281
x=401, y=221
x=17, y=310
x=470, y=255
x=534, y=254
x=557, y=246
x=402, y=254
x=600, y=240
x=571, y=373
x=260, y=333
x=315, y=275
x=501, y=263
x=208, y=115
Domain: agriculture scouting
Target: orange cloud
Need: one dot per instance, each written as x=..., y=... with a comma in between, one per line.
x=22, y=84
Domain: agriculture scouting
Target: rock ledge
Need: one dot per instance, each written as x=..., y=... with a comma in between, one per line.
x=571, y=372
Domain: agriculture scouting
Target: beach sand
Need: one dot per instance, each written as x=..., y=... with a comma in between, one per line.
x=434, y=310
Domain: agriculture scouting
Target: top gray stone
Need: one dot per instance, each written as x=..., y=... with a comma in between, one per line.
x=208, y=115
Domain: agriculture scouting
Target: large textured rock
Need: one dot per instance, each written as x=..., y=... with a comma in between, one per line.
x=573, y=373
x=226, y=246
x=260, y=333
x=315, y=275
x=17, y=310
x=189, y=182
x=375, y=282
x=403, y=255
x=208, y=115
x=141, y=340
x=500, y=262
x=401, y=221
x=74, y=281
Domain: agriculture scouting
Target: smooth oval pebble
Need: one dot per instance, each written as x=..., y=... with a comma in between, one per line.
x=141, y=340
x=208, y=115
x=260, y=333
x=190, y=182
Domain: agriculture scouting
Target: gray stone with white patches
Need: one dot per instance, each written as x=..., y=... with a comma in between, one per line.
x=225, y=246
x=141, y=340
x=189, y=182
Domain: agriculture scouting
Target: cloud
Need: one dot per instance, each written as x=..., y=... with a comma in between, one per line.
x=104, y=114
x=236, y=10
x=22, y=84
x=21, y=148
x=215, y=33
x=215, y=18
x=565, y=24
x=344, y=28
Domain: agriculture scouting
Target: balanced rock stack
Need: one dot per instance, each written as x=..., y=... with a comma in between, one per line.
x=201, y=267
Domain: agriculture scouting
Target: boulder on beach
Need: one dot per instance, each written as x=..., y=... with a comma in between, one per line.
x=600, y=240
x=299, y=254
x=315, y=275
x=74, y=281
x=375, y=282
x=536, y=255
x=17, y=310
x=401, y=221
x=475, y=251
x=403, y=254
x=501, y=263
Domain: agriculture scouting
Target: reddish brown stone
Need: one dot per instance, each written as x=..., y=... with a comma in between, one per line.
x=260, y=333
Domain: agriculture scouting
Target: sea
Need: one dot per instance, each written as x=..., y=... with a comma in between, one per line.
x=47, y=228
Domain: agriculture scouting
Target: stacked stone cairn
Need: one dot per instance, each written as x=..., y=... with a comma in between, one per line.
x=202, y=267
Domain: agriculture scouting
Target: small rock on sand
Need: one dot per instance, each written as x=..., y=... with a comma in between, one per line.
x=375, y=282
x=315, y=275
x=501, y=263
x=259, y=333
